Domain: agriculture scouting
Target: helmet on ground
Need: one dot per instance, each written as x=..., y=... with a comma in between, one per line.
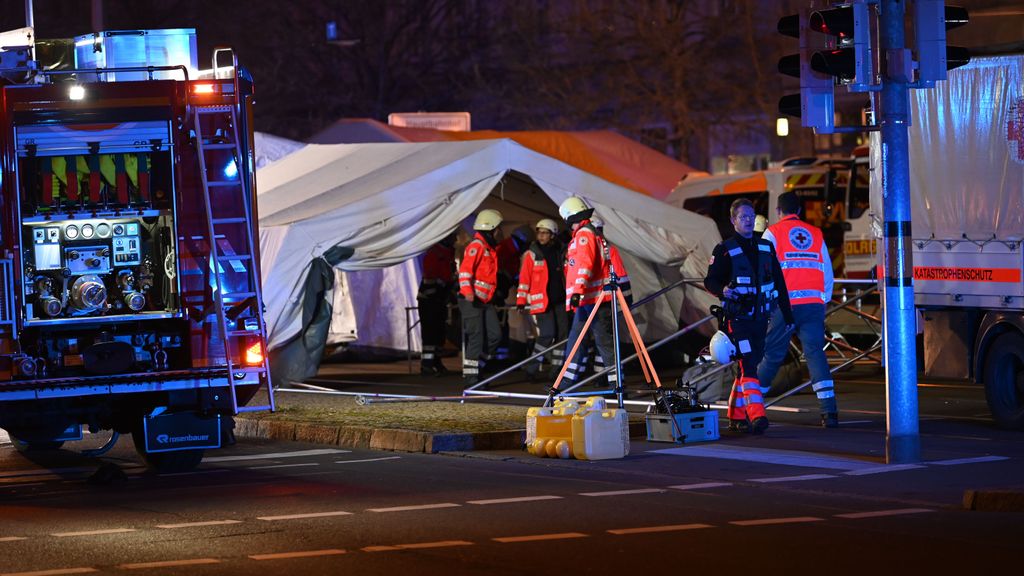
x=547, y=224
x=721, y=347
x=760, y=223
x=487, y=220
x=575, y=209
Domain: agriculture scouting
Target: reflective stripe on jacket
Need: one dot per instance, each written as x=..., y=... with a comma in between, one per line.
x=800, y=248
x=478, y=273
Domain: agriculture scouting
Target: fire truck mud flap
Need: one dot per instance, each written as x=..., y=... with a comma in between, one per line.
x=180, y=431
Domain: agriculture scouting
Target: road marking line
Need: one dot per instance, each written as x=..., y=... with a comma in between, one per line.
x=299, y=516
x=418, y=545
x=792, y=478
x=168, y=563
x=282, y=466
x=93, y=532
x=624, y=492
x=514, y=500
x=768, y=456
x=12, y=538
x=296, y=454
x=967, y=460
x=652, y=529
x=420, y=507
x=368, y=460
x=56, y=572
x=878, y=513
x=770, y=521
x=700, y=486
x=304, y=554
x=535, y=537
x=197, y=524
x=857, y=422
x=883, y=469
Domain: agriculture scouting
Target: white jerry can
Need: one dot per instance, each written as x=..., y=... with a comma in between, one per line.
x=600, y=434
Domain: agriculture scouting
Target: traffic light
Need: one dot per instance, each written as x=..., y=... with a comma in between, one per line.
x=848, y=55
x=931, y=21
x=815, y=105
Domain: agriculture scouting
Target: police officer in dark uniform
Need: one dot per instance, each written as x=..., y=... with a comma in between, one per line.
x=745, y=273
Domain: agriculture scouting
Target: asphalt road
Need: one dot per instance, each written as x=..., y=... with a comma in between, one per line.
x=800, y=499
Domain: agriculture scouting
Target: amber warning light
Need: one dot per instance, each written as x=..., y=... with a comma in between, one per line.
x=204, y=88
x=254, y=354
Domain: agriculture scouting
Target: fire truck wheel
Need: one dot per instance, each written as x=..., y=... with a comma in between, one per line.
x=167, y=462
x=36, y=446
x=1004, y=380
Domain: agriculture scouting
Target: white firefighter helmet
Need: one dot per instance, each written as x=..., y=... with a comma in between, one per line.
x=487, y=220
x=760, y=223
x=721, y=347
x=596, y=222
x=547, y=224
x=573, y=206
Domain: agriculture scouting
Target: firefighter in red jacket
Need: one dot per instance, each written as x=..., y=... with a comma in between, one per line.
x=478, y=281
x=587, y=271
x=627, y=292
x=540, y=293
x=432, y=300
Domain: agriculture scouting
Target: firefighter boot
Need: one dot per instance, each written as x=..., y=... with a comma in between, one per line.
x=739, y=425
x=759, y=425
x=830, y=420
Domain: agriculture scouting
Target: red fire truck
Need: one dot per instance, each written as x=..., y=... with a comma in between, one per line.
x=130, y=293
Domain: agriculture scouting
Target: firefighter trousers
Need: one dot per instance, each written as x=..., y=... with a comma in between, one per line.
x=481, y=335
x=553, y=326
x=746, y=401
x=601, y=330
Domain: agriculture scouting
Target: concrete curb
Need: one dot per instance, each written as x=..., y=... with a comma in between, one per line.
x=994, y=500
x=389, y=438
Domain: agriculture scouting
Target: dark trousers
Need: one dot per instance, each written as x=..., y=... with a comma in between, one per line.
x=433, y=314
x=480, y=333
x=601, y=330
x=553, y=326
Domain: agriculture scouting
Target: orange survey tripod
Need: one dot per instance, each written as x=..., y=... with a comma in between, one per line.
x=613, y=292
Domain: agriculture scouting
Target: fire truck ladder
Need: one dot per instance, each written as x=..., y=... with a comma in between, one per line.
x=232, y=193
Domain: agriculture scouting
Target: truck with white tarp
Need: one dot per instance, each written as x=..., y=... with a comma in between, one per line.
x=967, y=194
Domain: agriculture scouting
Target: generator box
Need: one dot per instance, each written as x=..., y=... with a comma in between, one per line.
x=690, y=427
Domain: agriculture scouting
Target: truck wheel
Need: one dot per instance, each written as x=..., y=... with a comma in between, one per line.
x=167, y=462
x=1004, y=380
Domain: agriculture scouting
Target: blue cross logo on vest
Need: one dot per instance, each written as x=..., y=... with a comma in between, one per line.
x=800, y=238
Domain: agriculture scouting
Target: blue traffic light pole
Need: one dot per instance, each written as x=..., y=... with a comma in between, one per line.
x=900, y=328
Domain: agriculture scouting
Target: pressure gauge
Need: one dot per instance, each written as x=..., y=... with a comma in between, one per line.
x=71, y=232
x=103, y=230
x=87, y=231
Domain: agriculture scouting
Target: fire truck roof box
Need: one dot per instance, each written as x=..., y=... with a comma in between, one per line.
x=138, y=48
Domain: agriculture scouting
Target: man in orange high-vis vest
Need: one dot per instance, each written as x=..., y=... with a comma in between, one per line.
x=540, y=293
x=803, y=257
x=478, y=280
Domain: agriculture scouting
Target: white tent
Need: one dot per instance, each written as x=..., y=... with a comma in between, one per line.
x=390, y=202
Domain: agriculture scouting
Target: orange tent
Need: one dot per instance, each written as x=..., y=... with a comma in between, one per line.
x=603, y=153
